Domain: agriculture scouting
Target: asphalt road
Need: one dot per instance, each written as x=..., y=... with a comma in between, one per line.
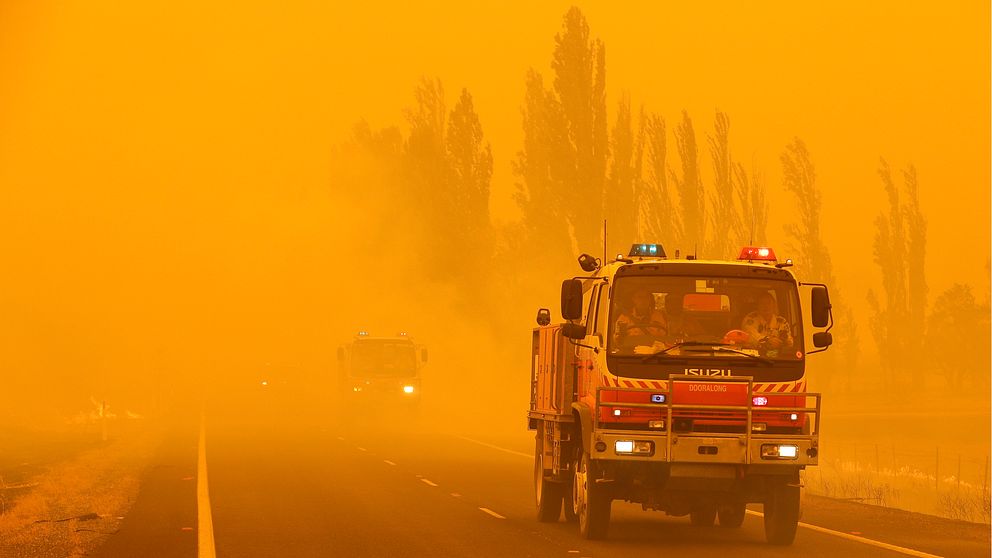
x=286, y=483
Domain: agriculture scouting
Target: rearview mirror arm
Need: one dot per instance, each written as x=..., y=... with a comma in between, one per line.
x=584, y=346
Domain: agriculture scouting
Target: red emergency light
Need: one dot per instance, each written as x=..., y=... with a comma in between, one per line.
x=757, y=253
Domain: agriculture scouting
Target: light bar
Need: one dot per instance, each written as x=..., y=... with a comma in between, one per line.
x=759, y=400
x=757, y=254
x=647, y=251
x=363, y=333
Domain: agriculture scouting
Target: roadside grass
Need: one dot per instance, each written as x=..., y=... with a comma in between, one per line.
x=66, y=507
x=906, y=488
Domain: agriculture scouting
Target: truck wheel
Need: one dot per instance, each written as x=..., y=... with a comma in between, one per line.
x=592, y=501
x=731, y=515
x=703, y=515
x=547, y=494
x=781, y=514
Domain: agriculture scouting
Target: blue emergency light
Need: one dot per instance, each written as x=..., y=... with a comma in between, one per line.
x=647, y=251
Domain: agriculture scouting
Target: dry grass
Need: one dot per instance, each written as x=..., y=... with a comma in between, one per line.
x=101, y=481
x=906, y=488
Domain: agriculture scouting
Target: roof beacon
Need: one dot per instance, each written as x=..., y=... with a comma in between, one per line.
x=757, y=254
x=647, y=251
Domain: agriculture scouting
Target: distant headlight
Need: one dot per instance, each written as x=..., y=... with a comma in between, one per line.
x=407, y=389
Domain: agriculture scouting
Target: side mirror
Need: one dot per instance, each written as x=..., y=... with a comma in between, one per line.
x=820, y=306
x=423, y=354
x=573, y=331
x=341, y=354
x=571, y=299
x=823, y=339
x=543, y=317
x=588, y=263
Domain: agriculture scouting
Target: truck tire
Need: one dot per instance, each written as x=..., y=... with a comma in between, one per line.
x=731, y=515
x=547, y=494
x=703, y=515
x=591, y=500
x=781, y=514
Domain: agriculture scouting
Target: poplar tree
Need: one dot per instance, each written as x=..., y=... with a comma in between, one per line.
x=625, y=170
x=658, y=215
x=725, y=216
x=812, y=258
x=692, y=198
x=898, y=319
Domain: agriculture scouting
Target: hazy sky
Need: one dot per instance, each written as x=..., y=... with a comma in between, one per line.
x=149, y=141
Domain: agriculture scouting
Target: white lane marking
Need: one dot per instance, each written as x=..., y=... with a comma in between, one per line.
x=850, y=537
x=205, y=547
x=456, y=495
x=504, y=450
x=573, y=551
x=388, y=462
x=340, y=438
x=360, y=448
x=427, y=482
x=492, y=513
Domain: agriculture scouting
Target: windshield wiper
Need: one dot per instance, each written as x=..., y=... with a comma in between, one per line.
x=680, y=344
x=725, y=349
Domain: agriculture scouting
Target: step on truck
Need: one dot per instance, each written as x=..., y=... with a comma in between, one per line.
x=677, y=384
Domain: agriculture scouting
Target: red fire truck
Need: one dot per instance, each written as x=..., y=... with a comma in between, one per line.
x=678, y=384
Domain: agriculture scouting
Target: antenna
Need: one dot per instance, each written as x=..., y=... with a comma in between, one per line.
x=605, y=256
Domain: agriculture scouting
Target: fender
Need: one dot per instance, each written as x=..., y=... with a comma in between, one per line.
x=585, y=421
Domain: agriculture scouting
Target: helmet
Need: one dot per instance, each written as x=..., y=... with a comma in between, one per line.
x=736, y=337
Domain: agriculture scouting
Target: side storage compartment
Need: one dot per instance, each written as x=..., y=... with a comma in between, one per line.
x=552, y=372
x=552, y=393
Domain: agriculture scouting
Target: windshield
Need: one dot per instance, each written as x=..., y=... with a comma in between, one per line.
x=705, y=316
x=383, y=359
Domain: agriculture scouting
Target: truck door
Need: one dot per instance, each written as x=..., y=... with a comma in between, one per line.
x=586, y=360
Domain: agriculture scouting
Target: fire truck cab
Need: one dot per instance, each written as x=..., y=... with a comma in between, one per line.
x=381, y=369
x=678, y=384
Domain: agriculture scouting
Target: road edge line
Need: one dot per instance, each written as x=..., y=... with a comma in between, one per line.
x=205, y=547
x=856, y=538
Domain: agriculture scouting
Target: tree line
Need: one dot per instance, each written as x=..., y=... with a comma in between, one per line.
x=575, y=169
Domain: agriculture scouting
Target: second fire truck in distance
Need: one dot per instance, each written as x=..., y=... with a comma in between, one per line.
x=381, y=370
x=678, y=384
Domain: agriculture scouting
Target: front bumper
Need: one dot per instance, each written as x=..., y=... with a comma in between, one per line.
x=731, y=449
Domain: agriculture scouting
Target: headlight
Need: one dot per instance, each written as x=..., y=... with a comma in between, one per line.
x=779, y=451
x=634, y=447
x=407, y=389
